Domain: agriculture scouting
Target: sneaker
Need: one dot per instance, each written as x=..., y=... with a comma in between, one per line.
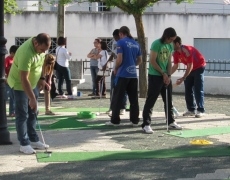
x=134, y=125
x=91, y=94
x=39, y=145
x=174, y=125
x=48, y=112
x=62, y=96
x=95, y=97
x=147, y=129
x=122, y=112
x=189, y=113
x=71, y=97
x=27, y=149
x=109, y=111
x=199, y=114
x=175, y=112
x=111, y=124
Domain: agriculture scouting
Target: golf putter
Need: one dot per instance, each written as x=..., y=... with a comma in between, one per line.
x=43, y=140
x=167, y=110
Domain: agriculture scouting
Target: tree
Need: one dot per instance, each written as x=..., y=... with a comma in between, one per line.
x=135, y=8
x=10, y=6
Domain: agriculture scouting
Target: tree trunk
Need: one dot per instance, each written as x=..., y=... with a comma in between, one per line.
x=143, y=65
x=61, y=20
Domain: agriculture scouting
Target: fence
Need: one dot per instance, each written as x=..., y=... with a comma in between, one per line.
x=213, y=67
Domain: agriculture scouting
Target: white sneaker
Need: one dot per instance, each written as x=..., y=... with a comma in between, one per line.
x=122, y=112
x=71, y=97
x=175, y=112
x=39, y=145
x=134, y=125
x=189, y=113
x=174, y=125
x=147, y=129
x=199, y=114
x=109, y=111
x=111, y=124
x=27, y=149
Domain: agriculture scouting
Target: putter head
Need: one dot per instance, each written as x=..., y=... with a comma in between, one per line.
x=49, y=153
x=168, y=131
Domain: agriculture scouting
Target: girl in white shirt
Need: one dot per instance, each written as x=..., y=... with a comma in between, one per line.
x=102, y=58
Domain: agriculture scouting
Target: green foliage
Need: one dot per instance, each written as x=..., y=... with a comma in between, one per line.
x=10, y=6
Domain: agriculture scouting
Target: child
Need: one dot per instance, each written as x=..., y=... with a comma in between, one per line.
x=47, y=71
x=8, y=63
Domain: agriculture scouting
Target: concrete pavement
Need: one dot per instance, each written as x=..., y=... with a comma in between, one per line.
x=15, y=165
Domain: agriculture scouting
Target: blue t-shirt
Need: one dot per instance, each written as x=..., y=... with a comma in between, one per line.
x=130, y=50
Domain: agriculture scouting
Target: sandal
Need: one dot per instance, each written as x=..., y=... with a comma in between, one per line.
x=49, y=113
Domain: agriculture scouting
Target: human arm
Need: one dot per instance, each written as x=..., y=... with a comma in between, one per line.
x=153, y=62
x=91, y=54
x=118, y=62
x=24, y=76
x=187, y=72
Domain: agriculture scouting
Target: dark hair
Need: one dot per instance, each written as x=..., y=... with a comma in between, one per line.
x=116, y=32
x=168, y=33
x=125, y=30
x=177, y=40
x=61, y=41
x=13, y=49
x=98, y=40
x=43, y=38
x=103, y=45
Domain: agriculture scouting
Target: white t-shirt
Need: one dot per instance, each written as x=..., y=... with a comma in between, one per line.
x=63, y=56
x=104, y=57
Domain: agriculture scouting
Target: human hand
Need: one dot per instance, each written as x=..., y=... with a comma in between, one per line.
x=180, y=80
x=33, y=104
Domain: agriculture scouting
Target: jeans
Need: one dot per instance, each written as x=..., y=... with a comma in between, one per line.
x=100, y=86
x=10, y=94
x=194, y=87
x=25, y=118
x=156, y=87
x=129, y=85
x=94, y=70
x=112, y=85
x=64, y=73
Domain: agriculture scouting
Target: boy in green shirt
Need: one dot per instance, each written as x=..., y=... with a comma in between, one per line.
x=159, y=78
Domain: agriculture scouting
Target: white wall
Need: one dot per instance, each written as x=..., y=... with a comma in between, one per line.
x=82, y=28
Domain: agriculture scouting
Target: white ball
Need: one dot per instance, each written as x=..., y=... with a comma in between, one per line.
x=97, y=113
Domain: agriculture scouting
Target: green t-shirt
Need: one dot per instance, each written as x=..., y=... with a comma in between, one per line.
x=26, y=59
x=164, y=51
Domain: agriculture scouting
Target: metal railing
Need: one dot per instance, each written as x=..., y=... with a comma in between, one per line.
x=219, y=67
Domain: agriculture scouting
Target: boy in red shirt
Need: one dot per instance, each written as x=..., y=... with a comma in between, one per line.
x=9, y=91
x=193, y=77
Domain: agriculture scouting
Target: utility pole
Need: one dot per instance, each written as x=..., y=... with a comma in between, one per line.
x=4, y=133
x=61, y=20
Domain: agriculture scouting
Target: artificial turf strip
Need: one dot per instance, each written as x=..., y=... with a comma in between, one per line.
x=131, y=155
x=62, y=109
x=72, y=123
x=200, y=132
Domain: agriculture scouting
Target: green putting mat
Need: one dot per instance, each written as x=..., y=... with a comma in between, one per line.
x=72, y=123
x=200, y=132
x=62, y=109
x=128, y=155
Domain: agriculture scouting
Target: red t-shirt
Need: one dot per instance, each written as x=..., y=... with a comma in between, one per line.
x=189, y=54
x=8, y=64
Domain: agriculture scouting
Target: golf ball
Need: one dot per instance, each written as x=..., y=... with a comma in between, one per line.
x=97, y=113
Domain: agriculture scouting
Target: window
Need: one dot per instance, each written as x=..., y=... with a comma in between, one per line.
x=20, y=40
x=102, y=7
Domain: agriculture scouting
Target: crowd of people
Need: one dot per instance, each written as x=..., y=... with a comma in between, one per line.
x=29, y=70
